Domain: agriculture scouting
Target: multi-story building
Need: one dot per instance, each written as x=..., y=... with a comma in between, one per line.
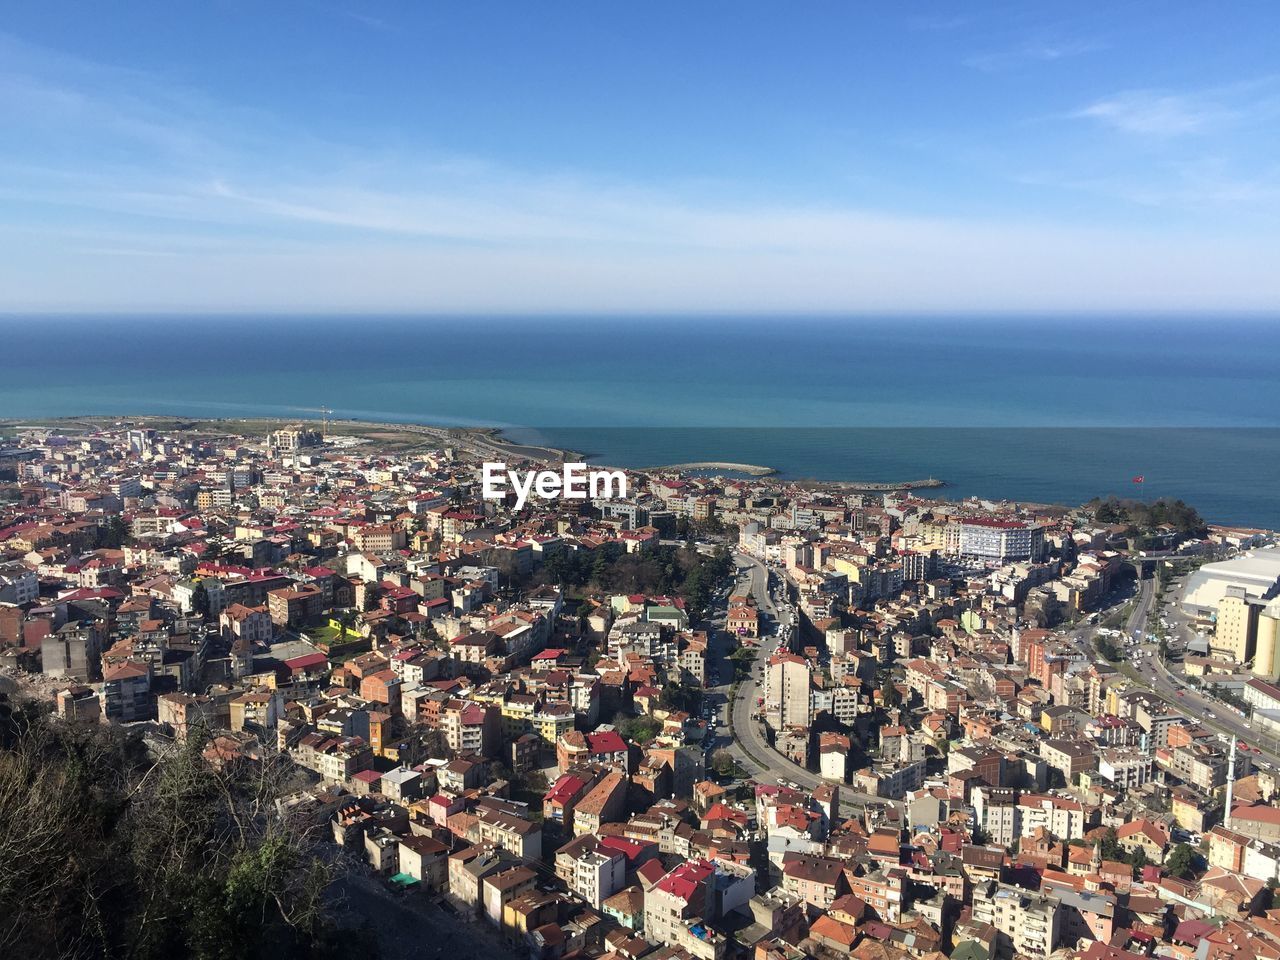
x=551, y=721
x=251, y=624
x=1061, y=817
x=126, y=692
x=425, y=859
x=999, y=541
x=591, y=870
x=18, y=585
x=1068, y=757
x=882, y=890
x=996, y=809
x=502, y=825
x=297, y=606
x=1235, y=633
x=681, y=896
x=499, y=889
x=1202, y=765
x=605, y=801
x=788, y=697
x=180, y=712
x=79, y=703
x=1125, y=767
x=1029, y=923
x=816, y=880
x=334, y=758
x=72, y=652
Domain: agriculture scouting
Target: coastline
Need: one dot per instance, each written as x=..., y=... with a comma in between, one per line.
x=482, y=441
x=698, y=466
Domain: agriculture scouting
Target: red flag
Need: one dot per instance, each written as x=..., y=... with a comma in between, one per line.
x=1139, y=478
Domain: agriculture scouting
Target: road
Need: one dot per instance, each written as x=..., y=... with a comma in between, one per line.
x=1203, y=707
x=1174, y=689
x=746, y=739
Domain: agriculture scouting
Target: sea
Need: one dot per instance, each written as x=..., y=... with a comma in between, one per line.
x=1046, y=409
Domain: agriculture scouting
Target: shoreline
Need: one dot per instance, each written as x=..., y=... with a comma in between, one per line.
x=698, y=466
x=477, y=440
x=933, y=483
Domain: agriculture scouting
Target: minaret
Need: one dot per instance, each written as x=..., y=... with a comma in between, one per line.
x=1231, y=782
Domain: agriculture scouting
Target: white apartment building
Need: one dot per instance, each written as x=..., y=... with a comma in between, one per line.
x=787, y=692
x=1000, y=541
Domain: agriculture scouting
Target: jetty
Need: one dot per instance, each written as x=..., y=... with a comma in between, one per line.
x=858, y=486
x=750, y=469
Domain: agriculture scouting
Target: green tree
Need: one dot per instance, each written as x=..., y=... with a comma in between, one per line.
x=200, y=600
x=723, y=764
x=678, y=696
x=1138, y=859
x=640, y=729
x=1109, y=845
x=109, y=851
x=1108, y=649
x=115, y=533
x=1182, y=861
x=346, y=620
x=889, y=694
x=601, y=569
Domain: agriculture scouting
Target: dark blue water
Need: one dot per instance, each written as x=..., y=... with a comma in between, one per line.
x=1226, y=472
x=1009, y=408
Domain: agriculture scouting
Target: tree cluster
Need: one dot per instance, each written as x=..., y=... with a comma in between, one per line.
x=1143, y=517
x=679, y=696
x=1182, y=861
x=108, y=851
x=666, y=570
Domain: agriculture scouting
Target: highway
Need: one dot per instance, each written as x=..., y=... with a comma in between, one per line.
x=747, y=741
x=746, y=736
x=1167, y=685
x=1207, y=709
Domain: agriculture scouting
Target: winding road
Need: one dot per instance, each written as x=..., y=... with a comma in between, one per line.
x=746, y=736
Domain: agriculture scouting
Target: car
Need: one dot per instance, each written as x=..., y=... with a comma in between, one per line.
x=1182, y=693
x=1211, y=715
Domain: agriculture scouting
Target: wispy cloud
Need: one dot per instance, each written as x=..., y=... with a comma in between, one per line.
x=1038, y=51
x=151, y=197
x=359, y=16
x=1207, y=185
x=1151, y=113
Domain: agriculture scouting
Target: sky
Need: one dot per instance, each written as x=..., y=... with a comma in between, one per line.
x=346, y=157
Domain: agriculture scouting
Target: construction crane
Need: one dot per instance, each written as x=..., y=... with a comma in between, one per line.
x=326, y=413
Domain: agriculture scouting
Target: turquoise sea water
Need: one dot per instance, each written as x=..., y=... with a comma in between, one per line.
x=1039, y=408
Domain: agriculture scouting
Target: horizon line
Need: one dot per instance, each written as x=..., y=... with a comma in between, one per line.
x=993, y=313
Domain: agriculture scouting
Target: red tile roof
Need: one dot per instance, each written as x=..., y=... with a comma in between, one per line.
x=682, y=882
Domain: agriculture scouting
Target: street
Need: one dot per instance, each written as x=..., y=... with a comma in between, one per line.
x=746, y=738
x=1169, y=686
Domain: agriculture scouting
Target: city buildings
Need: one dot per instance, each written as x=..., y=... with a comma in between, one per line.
x=589, y=737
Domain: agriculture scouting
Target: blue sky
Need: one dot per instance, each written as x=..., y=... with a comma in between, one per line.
x=634, y=157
